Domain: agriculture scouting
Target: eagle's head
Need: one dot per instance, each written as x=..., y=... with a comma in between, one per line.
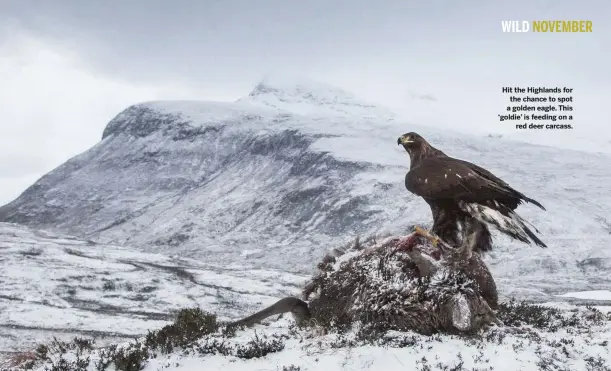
x=411, y=141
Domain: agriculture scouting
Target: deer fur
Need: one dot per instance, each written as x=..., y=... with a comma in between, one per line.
x=441, y=307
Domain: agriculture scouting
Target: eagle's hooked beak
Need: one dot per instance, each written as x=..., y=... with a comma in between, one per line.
x=404, y=140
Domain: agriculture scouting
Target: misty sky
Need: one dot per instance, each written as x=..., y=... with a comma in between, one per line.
x=67, y=67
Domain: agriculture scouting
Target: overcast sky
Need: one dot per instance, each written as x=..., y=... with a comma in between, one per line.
x=67, y=67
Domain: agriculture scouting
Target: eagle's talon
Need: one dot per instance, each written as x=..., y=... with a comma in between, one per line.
x=424, y=233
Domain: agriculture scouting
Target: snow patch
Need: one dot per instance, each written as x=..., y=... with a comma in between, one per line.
x=589, y=295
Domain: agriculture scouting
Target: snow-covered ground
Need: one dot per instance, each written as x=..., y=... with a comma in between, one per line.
x=56, y=285
x=503, y=352
x=279, y=346
x=593, y=295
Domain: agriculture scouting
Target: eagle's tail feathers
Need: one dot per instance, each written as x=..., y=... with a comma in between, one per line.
x=534, y=237
x=534, y=202
x=504, y=219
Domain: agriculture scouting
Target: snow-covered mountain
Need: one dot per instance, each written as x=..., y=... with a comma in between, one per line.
x=280, y=176
x=312, y=98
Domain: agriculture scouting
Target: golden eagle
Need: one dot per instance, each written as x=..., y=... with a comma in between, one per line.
x=464, y=198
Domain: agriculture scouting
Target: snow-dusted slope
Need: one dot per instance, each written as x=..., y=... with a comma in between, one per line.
x=59, y=286
x=280, y=176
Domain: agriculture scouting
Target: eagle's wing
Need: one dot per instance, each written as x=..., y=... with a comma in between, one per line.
x=516, y=197
x=483, y=172
x=447, y=178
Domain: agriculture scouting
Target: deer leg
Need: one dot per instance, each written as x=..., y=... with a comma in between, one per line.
x=297, y=307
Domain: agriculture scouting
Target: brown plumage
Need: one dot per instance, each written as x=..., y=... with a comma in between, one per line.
x=464, y=198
